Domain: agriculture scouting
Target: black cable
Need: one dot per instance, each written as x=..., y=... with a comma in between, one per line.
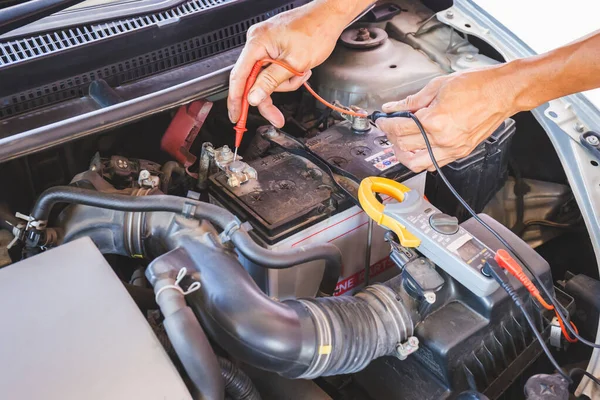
x=581, y=371
x=493, y=269
x=538, y=282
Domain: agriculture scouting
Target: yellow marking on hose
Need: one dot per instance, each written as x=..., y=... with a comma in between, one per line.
x=325, y=349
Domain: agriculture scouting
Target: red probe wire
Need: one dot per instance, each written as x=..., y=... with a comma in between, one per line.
x=240, y=127
x=508, y=263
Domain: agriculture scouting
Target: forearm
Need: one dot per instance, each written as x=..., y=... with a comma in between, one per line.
x=570, y=69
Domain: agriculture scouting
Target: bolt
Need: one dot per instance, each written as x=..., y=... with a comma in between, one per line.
x=579, y=127
x=449, y=14
x=430, y=297
x=122, y=164
x=268, y=131
x=413, y=341
x=470, y=57
x=144, y=174
x=225, y=149
x=593, y=140
x=363, y=34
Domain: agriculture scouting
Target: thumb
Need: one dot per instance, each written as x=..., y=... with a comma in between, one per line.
x=417, y=101
x=267, y=81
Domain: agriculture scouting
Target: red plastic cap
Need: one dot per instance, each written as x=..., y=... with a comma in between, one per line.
x=183, y=129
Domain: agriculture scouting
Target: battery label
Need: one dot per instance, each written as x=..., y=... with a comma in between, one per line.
x=383, y=160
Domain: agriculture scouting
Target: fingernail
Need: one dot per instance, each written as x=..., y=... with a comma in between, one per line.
x=230, y=117
x=256, y=96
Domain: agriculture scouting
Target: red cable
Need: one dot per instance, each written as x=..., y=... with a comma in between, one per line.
x=240, y=127
x=508, y=263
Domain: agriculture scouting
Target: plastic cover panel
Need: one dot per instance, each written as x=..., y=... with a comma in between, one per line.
x=70, y=331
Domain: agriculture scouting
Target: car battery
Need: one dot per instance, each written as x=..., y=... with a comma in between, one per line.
x=293, y=203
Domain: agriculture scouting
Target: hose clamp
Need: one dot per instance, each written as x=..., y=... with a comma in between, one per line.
x=324, y=353
x=229, y=230
x=180, y=275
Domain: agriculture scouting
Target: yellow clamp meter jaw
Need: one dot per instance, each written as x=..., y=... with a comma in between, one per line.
x=374, y=208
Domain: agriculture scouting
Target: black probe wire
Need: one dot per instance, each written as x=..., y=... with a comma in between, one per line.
x=513, y=251
x=577, y=371
x=539, y=283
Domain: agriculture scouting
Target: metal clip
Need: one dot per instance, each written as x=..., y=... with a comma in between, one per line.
x=180, y=275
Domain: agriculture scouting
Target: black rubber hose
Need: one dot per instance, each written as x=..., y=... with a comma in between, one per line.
x=188, y=338
x=289, y=258
x=238, y=385
x=194, y=352
x=168, y=169
x=304, y=338
x=200, y=210
x=179, y=205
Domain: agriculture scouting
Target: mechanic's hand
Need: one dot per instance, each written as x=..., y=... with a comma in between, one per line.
x=458, y=112
x=303, y=38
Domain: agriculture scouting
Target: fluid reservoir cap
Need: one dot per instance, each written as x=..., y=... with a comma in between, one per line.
x=444, y=224
x=363, y=38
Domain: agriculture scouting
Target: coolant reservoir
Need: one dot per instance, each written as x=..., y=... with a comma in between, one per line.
x=367, y=69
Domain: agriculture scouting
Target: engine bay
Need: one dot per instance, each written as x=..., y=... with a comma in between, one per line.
x=261, y=275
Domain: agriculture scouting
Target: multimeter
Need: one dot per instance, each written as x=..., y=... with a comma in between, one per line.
x=439, y=237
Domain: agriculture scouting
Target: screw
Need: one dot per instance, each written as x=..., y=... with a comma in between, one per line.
x=122, y=164
x=593, y=140
x=384, y=143
x=256, y=196
x=470, y=57
x=144, y=174
x=226, y=149
x=579, y=127
x=449, y=14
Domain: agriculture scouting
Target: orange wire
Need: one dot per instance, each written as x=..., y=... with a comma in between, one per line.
x=240, y=127
x=508, y=263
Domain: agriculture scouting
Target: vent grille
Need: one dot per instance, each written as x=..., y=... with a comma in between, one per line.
x=15, y=51
x=192, y=50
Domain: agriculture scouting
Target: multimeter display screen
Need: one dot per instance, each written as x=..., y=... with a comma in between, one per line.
x=469, y=250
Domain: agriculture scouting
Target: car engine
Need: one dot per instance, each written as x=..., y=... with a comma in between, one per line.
x=261, y=276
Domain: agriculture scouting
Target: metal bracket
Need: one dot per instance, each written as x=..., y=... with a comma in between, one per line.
x=403, y=350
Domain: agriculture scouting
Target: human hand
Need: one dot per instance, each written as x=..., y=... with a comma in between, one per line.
x=302, y=38
x=458, y=112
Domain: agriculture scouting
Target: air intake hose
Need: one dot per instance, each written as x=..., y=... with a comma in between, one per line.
x=304, y=338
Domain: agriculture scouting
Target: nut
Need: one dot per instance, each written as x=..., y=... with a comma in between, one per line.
x=593, y=140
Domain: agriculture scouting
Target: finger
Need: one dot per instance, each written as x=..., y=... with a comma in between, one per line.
x=396, y=127
x=267, y=81
x=271, y=113
x=420, y=160
x=239, y=75
x=416, y=101
x=294, y=82
x=412, y=142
